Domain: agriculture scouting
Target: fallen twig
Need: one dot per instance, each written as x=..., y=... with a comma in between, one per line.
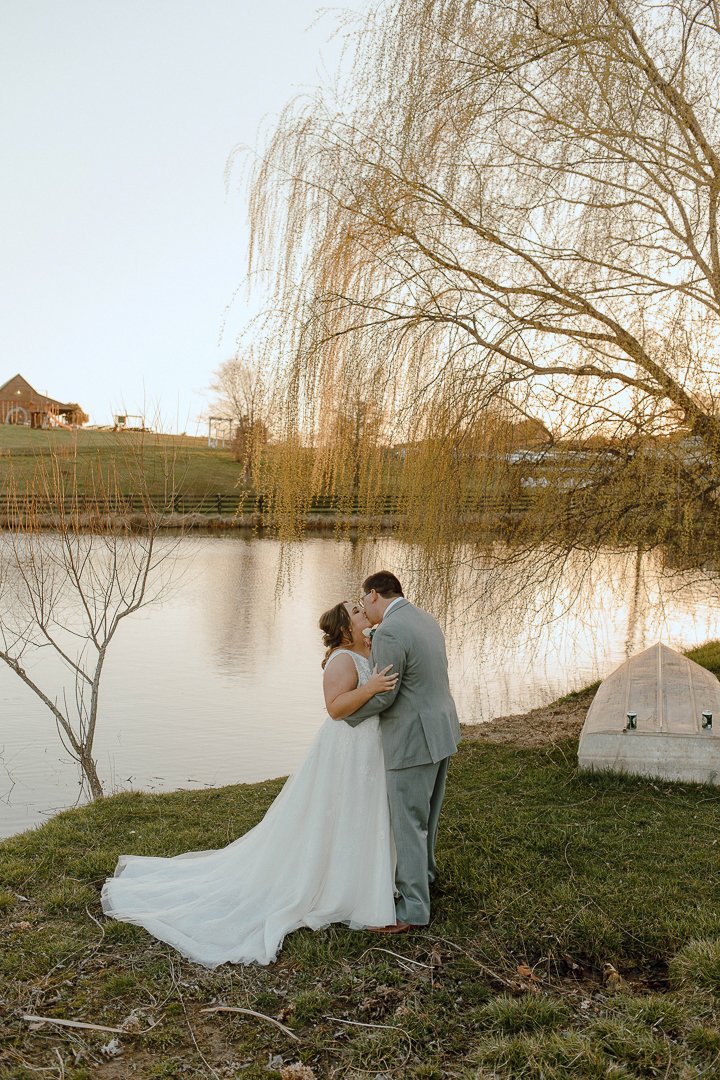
x=251, y=1012
x=32, y=1019
x=72, y=1023
x=178, y=991
x=398, y=956
x=97, y=922
x=483, y=967
x=359, y=1023
x=62, y=1063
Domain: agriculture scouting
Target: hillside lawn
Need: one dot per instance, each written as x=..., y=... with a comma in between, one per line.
x=547, y=876
x=182, y=462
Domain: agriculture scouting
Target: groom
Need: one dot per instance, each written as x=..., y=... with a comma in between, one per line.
x=420, y=731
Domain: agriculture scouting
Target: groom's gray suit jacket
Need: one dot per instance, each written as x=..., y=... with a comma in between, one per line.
x=418, y=719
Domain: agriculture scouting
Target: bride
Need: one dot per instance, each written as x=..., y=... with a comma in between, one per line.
x=323, y=853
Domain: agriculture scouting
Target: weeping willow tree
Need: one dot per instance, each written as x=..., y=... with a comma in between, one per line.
x=509, y=210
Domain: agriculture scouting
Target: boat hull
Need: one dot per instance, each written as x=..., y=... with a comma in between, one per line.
x=667, y=694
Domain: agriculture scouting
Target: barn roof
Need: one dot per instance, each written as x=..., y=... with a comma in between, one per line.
x=20, y=387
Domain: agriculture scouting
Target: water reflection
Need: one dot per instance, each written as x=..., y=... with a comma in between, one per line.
x=221, y=682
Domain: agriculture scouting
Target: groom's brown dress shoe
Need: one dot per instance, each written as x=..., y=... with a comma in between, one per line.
x=394, y=928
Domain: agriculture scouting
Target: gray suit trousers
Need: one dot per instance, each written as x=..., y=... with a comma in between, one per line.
x=415, y=796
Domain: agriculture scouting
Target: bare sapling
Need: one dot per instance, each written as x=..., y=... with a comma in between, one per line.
x=76, y=561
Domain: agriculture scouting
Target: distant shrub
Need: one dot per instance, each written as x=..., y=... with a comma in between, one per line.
x=708, y=656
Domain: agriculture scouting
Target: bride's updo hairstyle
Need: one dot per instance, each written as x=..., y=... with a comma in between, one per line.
x=336, y=627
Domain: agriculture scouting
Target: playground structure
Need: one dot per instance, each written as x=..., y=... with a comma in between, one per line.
x=121, y=422
x=220, y=431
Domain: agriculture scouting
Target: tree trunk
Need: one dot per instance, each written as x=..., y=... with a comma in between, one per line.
x=90, y=773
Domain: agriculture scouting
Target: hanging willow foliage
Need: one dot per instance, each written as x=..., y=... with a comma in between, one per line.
x=507, y=218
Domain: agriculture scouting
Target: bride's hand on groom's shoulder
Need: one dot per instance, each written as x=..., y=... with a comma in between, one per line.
x=381, y=681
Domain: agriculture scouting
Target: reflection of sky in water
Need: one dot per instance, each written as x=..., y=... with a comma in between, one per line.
x=222, y=682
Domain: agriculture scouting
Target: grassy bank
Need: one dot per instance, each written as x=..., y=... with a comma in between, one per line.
x=196, y=469
x=548, y=876
x=195, y=486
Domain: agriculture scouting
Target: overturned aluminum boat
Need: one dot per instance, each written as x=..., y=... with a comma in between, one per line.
x=656, y=715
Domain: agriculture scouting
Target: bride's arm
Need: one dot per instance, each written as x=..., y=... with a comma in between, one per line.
x=343, y=696
x=386, y=650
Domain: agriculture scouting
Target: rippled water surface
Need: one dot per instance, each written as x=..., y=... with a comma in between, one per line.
x=221, y=683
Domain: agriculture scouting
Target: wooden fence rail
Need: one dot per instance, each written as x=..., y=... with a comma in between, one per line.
x=229, y=505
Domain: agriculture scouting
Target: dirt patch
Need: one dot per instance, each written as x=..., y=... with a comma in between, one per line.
x=539, y=727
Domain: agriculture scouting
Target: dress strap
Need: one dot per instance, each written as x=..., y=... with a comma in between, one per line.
x=354, y=656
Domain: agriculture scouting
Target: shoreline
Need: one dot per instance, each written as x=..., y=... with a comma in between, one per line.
x=545, y=725
x=249, y=523
x=244, y=524
x=542, y=726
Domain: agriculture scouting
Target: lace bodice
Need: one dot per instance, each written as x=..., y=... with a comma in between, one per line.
x=362, y=663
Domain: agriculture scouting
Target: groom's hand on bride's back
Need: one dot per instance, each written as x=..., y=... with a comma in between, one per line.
x=387, y=653
x=380, y=681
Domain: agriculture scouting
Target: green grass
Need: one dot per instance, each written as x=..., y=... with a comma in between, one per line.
x=542, y=867
x=708, y=656
x=197, y=470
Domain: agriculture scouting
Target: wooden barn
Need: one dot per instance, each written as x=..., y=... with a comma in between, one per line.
x=21, y=404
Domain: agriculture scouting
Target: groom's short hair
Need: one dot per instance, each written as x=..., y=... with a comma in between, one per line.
x=384, y=583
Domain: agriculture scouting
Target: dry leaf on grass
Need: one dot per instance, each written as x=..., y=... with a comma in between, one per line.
x=297, y=1072
x=570, y=963
x=613, y=980
x=111, y=1049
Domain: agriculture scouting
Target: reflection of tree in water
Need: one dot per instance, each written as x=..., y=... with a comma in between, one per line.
x=254, y=586
x=536, y=597
x=631, y=645
x=521, y=630
x=234, y=574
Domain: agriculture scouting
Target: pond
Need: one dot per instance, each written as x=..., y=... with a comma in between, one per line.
x=220, y=681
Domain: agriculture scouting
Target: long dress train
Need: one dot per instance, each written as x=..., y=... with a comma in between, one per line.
x=322, y=854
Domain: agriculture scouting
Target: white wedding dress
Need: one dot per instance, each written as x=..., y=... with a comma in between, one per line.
x=322, y=854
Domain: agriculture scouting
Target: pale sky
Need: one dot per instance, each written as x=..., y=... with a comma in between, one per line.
x=121, y=248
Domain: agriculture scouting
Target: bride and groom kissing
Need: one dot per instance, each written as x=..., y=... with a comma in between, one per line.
x=351, y=837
